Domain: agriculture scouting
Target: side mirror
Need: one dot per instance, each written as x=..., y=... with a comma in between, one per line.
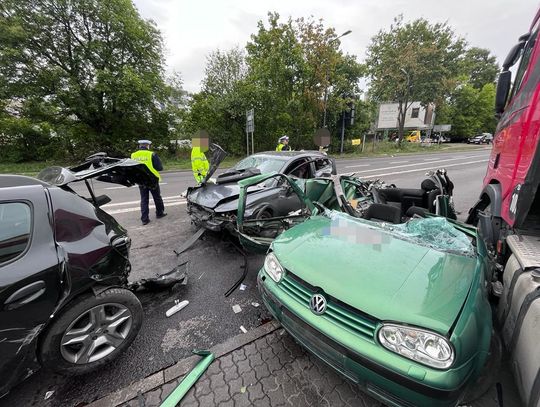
x=503, y=89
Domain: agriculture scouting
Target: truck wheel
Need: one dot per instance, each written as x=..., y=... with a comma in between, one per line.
x=91, y=332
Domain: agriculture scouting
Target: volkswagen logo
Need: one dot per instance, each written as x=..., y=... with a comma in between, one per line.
x=317, y=303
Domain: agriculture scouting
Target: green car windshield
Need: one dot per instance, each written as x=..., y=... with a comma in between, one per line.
x=434, y=232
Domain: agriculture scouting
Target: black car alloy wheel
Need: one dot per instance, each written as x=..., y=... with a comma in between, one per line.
x=91, y=331
x=96, y=333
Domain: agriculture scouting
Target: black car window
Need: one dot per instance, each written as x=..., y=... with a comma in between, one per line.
x=265, y=164
x=15, y=224
x=296, y=169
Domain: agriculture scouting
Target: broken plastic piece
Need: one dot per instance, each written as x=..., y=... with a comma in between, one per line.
x=190, y=242
x=161, y=282
x=236, y=308
x=255, y=304
x=190, y=379
x=242, y=287
x=176, y=307
x=243, y=389
x=49, y=394
x=244, y=330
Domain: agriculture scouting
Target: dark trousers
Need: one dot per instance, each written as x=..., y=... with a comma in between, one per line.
x=156, y=195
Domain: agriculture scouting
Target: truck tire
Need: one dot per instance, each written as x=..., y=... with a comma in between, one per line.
x=91, y=331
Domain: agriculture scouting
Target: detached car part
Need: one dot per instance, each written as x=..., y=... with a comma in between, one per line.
x=190, y=379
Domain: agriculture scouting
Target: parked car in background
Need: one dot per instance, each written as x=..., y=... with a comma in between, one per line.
x=484, y=138
x=213, y=205
x=63, y=271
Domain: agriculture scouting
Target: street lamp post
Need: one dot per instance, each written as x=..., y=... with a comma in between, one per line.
x=326, y=77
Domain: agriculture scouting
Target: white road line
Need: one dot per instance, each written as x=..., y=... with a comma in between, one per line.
x=137, y=208
x=426, y=169
x=359, y=165
x=398, y=162
x=420, y=163
x=165, y=198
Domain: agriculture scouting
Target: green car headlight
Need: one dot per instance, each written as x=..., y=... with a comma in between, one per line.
x=426, y=347
x=272, y=267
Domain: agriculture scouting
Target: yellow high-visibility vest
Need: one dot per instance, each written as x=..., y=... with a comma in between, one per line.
x=145, y=157
x=199, y=164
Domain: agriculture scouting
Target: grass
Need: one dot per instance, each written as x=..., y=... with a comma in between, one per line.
x=184, y=162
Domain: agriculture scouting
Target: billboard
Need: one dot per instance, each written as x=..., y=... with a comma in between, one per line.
x=418, y=117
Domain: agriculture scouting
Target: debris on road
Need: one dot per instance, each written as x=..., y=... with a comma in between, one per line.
x=49, y=394
x=176, y=307
x=236, y=308
x=255, y=304
x=244, y=330
x=162, y=282
x=180, y=391
x=242, y=287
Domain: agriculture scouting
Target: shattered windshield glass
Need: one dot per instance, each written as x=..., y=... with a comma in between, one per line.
x=265, y=164
x=434, y=232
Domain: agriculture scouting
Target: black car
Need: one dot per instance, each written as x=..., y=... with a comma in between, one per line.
x=484, y=138
x=63, y=271
x=213, y=205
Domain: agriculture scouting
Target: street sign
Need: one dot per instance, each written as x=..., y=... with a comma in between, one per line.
x=250, y=128
x=356, y=141
x=442, y=127
x=250, y=121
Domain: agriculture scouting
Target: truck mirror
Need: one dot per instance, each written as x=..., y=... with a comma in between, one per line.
x=503, y=88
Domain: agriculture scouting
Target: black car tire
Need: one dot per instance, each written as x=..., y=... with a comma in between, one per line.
x=50, y=353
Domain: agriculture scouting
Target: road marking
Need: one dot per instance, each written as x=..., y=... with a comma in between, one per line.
x=398, y=162
x=359, y=165
x=426, y=169
x=420, y=163
x=165, y=198
x=122, y=187
x=137, y=208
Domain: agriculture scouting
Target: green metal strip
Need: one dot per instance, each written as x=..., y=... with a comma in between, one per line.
x=191, y=378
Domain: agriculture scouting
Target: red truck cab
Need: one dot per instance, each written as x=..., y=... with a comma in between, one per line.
x=508, y=212
x=510, y=191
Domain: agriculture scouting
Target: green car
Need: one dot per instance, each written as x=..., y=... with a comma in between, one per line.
x=400, y=309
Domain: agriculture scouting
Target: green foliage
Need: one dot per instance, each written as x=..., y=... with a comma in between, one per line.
x=90, y=69
x=283, y=77
x=470, y=110
x=413, y=61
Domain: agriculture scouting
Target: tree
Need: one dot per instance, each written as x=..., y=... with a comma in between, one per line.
x=288, y=66
x=91, y=69
x=479, y=66
x=223, y=70
x=414, y=61
x=470, y=110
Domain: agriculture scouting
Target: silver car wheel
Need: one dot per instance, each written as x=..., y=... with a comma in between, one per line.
x=96, y=333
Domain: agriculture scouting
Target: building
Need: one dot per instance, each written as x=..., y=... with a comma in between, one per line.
x=418, y=117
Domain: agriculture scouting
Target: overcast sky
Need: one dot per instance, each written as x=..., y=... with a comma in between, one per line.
x=191, y=29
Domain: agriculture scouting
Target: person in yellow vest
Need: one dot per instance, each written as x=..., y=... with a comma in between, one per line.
x=283, y=144
x=199, y=163
x=152, y=161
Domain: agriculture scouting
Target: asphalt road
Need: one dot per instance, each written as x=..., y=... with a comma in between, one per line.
x=213, y=265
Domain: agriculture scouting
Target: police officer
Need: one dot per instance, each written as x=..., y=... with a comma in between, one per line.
x=199, y=163
x=152, y=161
x=283, y=144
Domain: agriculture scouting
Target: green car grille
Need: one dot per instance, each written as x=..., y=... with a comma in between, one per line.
x=336, y=311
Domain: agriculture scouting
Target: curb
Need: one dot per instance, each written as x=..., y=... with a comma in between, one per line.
x=182, y=367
